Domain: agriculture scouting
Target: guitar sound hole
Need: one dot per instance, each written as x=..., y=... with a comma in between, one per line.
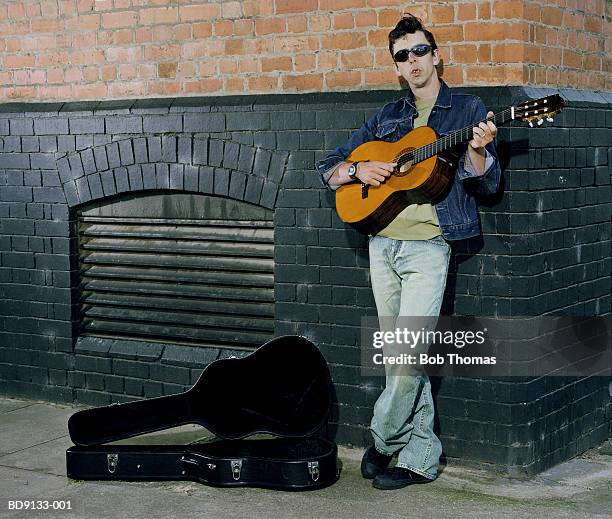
x=405, y=163
x=404, y=169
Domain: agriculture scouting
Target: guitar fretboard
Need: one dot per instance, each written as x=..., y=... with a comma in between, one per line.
x=452, y=139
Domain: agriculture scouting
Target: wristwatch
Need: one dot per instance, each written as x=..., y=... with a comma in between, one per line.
x=352, y=170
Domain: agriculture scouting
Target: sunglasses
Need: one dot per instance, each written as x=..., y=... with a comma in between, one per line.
x=418, y=50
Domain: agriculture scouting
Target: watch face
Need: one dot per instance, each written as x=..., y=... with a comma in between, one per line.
x=352, y=170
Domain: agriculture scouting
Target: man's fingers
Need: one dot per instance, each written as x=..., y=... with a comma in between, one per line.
x=375, y=173
x=488, y=126
x=378, y=176
x=389, y=166
x=374, y=178
x=374, y=170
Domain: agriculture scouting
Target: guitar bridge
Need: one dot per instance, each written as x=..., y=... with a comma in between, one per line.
x=364, y=190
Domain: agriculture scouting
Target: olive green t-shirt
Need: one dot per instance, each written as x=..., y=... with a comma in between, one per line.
x=417, y=221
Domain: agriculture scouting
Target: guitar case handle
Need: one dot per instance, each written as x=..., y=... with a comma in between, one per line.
x=209, y=470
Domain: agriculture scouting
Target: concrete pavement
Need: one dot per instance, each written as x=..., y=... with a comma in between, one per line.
x=34, y=438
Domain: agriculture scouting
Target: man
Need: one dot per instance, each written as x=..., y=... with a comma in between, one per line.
x=409, y=258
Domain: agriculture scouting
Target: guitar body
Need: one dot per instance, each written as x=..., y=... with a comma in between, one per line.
x=370, y=209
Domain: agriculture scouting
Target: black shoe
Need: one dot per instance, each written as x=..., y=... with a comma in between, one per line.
x=398, y=477
x=373, y=463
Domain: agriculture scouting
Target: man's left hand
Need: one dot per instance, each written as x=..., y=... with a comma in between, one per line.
x=484, y=133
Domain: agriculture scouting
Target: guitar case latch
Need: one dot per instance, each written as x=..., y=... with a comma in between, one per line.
x=112, y=461
x=236, y=468
x=313, y=470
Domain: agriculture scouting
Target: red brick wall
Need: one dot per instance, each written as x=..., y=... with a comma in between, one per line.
x=101, y=49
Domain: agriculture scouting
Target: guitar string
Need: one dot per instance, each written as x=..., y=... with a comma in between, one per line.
x=431, y=149
x=442, y=143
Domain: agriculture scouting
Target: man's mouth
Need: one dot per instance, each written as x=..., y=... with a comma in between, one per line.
x=415, y=72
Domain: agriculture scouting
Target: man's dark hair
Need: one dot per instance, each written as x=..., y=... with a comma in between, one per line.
x=409, y=24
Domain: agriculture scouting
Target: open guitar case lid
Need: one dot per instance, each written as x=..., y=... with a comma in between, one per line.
x=283, y=389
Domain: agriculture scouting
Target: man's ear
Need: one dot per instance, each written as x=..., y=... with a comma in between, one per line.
x=397, y=70
x=436, y=56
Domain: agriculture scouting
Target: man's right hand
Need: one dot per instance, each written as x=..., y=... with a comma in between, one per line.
x=374, y=172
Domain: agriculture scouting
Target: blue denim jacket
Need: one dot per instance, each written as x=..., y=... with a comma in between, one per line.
x=457, y=211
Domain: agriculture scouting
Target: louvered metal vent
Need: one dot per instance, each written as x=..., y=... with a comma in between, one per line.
x=199, y=281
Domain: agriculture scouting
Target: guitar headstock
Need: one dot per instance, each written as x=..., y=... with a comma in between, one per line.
x=538, y=110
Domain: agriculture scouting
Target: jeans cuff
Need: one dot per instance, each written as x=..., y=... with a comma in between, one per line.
x=420, y=472
x=382, y=452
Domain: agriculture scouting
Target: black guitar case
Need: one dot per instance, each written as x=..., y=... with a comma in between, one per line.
x=283, y=463
x=283, y=389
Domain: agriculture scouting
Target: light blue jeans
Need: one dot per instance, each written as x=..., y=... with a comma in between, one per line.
x=408, y=279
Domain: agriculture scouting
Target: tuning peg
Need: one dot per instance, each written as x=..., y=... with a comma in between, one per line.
x=540, y=121
x=531, y=124
x=550, y=119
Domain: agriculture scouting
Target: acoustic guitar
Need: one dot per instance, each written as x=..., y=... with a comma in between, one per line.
x=425, y=167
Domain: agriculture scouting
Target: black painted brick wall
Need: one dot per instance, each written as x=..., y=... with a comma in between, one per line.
x=545, y=251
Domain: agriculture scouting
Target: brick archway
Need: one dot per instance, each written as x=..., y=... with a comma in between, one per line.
x=202, y=165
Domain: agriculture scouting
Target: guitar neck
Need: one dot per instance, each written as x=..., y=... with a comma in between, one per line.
x=457, y=137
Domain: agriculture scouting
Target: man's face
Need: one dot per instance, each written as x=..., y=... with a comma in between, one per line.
x=418, y=71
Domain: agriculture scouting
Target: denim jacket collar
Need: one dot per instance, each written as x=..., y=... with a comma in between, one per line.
x=442, y=101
